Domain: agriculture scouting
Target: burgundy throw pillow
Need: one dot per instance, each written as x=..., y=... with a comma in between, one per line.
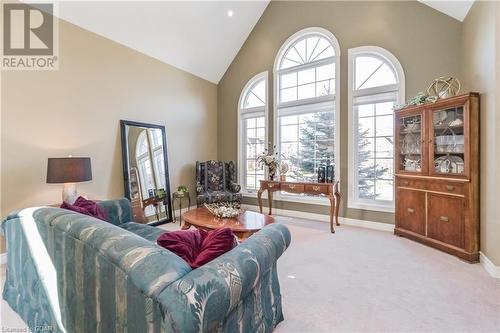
x=216, y=243
x=87, y=207
x=198, y=247
x=185, y=243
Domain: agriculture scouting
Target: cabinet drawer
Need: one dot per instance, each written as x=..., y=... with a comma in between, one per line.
x=446, y=187
x=432, y=185
x=317, y=188
x=411, y=183
x=292, y=187
x=410, y=211
x=446, y=219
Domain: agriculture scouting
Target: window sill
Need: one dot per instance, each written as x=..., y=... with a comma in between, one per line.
x=371, y=206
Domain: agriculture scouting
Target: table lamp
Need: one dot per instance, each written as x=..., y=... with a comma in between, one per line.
x=68, y=171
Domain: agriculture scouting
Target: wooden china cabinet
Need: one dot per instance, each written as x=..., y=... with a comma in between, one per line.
x=437, y=174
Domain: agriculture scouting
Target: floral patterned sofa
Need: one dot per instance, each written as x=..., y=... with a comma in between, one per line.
x=216, y=182
x=69, y=272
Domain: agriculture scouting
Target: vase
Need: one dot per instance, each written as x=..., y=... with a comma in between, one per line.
x=272, y=173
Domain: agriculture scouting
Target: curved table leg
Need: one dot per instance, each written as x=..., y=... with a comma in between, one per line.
x=270, y=198
x=259, y=199
x=332, y=212
x=186, y=225
x=338, y=200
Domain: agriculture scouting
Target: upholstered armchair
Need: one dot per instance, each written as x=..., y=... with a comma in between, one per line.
x=216, y=182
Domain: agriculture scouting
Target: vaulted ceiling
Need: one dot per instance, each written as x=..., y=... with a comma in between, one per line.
x=200, y=37
x=453, y=8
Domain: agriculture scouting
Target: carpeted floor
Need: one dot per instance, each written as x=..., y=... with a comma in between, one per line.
x=364, y=280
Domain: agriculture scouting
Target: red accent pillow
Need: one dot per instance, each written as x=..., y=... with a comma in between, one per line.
x=198, y=247
x=87, y=207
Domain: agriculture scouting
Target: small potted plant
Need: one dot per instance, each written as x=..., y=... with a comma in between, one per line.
x=182, y=190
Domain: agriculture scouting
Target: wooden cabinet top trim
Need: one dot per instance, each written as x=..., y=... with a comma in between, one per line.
x=441, y=103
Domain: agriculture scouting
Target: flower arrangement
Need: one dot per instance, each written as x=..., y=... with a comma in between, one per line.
x=224, y=209
x=270, y=159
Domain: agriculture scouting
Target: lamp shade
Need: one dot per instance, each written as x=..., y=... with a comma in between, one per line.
x=68, y=170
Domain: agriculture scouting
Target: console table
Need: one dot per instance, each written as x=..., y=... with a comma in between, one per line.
x=327, y=190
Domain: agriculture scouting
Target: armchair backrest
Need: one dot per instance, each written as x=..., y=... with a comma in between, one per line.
x=231, y=173
x=215, y=175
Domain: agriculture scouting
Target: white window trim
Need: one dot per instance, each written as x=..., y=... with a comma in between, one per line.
x=335, y=99
x=241, y=170
x=399, y=88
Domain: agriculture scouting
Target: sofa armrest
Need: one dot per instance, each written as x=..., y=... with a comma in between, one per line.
x=234, y=187
x=212, y=291
x=117, y=211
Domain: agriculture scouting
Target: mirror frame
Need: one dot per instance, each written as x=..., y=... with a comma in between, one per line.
x=126, y=164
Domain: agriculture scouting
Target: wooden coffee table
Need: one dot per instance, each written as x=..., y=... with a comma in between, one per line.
x=243, y=226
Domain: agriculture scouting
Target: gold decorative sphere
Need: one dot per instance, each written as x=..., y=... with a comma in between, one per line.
x=443, y=87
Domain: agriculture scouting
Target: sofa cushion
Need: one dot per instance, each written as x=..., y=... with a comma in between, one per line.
x=117, y=211
x=145, y=231
x=197, y=247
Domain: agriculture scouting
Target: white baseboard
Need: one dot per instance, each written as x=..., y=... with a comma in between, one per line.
x=368, y=224
x=325, y=218
x=489, y=266
x=3, y=259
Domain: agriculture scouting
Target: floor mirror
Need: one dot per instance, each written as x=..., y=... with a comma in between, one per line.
x=145, y=171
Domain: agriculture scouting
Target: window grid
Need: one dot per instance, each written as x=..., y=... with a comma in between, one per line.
x=374, y=159
x=300, y=123
x=254, y=146
x=314, y=83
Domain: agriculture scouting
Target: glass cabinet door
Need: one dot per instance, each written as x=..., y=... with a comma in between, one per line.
x=449, y=142
x=409, y=130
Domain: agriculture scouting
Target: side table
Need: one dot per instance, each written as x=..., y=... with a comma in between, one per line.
x=179, y=196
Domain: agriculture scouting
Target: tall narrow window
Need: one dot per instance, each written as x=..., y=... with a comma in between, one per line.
x=252, y=134
x=376, y=84
x=306, y=90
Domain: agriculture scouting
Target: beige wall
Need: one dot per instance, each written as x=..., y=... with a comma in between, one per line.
x=426, y=42
x=480, y=59
x=76, y=110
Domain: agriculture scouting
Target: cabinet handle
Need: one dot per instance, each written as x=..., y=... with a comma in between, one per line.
x=450, y=187
x=411, y=210
x=316, y=188
x=444, y=218
x=291, y=186
x=270, y=185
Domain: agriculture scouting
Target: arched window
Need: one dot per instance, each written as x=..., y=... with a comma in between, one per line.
x=252, y=131
x=306, y=100
x=376, y=84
